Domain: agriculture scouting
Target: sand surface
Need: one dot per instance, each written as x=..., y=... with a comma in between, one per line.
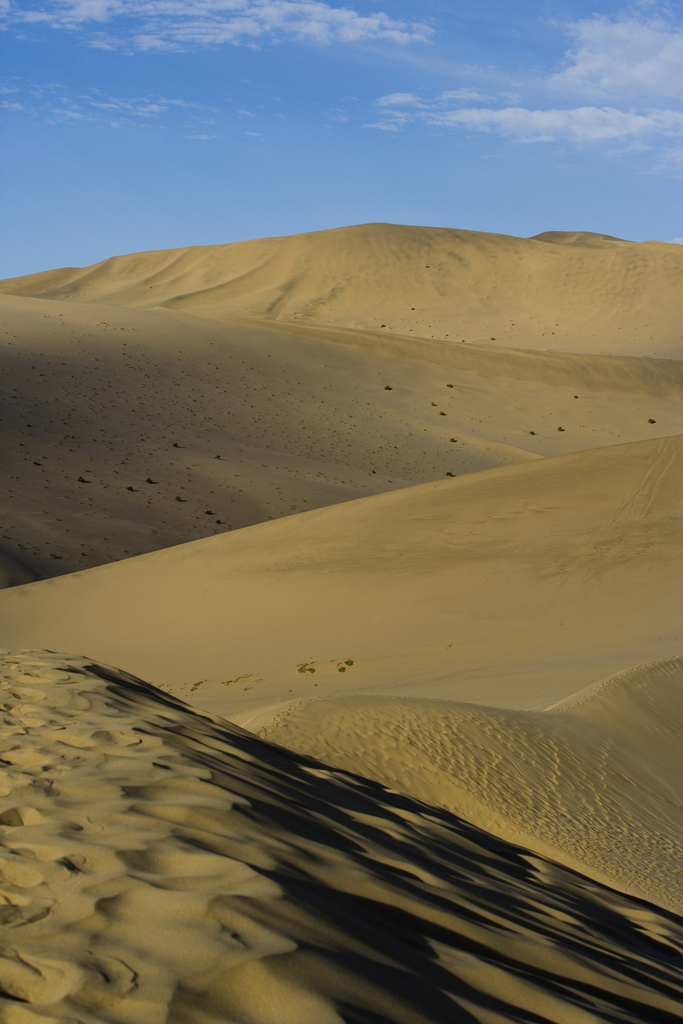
x=111, y=415
x=565, y=781
x=573, y=291
x=161, y=865
x=416, y=573
x=513, y=586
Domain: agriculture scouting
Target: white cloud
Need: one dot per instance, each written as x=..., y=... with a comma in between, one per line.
x=578, y=124
x=671, y=161
x=678, y=241
x=401, y=99
x=582, y=124
x=624, y=58
x=384, y=126
x=177, y=24
x=465, y=94
x=95, y=107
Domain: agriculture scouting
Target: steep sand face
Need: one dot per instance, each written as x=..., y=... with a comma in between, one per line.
x=566, y=291
x=111, y=415
x=512, y=586
x=566, y=781
x=161, y=865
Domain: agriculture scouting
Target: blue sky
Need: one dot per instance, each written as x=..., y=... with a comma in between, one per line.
x=145, y=124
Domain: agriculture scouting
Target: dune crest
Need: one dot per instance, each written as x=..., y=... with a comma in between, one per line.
x=159, y=864
x=566, y=291
x=514, y=586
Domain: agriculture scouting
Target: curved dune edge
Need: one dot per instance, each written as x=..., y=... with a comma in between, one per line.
x=160, y=864
x=593, y=781
x=512, y=587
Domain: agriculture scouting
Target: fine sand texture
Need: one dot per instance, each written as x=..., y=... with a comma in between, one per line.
x=594, y=780
x=161, y=865
x=568, y=291
x=125, y=431
x=513, y=586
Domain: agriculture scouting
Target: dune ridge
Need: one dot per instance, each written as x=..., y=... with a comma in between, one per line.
x=572, y=291
x=164, y=865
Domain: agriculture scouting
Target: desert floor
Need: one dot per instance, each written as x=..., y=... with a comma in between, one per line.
x=411, y=752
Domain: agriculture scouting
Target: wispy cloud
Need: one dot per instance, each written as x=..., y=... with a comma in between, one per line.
x=54, y=104
x=581, y=124
x=623, y=58
x=181, y=24
x=577, y=124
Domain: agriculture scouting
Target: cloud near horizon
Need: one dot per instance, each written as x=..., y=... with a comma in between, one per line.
x=628, y=61
x=579, y=124
x=179, y=24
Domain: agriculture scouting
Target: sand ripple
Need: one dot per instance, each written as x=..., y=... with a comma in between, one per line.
x=161, y=865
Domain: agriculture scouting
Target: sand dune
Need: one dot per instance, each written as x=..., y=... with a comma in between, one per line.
x=251, y=423
x=512, y=586
x=567, y=291
x=565, y=781
x=160, y=865
x=406, y=502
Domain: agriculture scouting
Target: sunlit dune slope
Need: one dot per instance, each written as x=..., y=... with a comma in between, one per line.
x=595, y=781
x=510, y=586
x=162, y=865
x=569, y=291
x=110, y=415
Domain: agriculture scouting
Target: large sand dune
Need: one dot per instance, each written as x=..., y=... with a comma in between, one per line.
x=160, y=865
x=569, y=291
x=406, y=502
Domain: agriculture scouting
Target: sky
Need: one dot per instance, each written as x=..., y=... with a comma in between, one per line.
x=131, y=125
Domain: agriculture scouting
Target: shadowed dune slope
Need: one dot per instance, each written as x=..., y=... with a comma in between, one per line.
x=595, y=781
x=124, y=431
x=13, y=573
x=516, y=585
x=159, y=864
x=569, y=291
